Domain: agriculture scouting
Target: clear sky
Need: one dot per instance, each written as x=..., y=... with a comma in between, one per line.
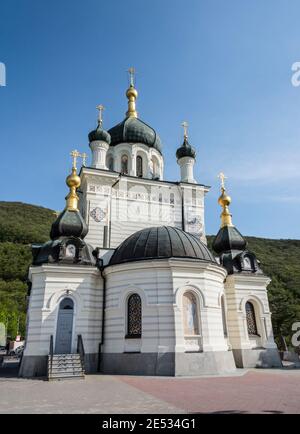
x=224, y=66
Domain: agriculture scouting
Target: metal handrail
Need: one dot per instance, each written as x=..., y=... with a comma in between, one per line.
x=51, y=352
x=80, y=347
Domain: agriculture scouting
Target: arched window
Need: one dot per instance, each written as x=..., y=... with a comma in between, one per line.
x=139, y=166
x=66, y=304
x=134, y=316
x=110, y=163
x=172, y=199
x=224, y=316
x=124, y=165
x=190, y=314
x=251, y=320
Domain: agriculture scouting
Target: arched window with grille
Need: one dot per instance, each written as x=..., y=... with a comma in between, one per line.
x=124, y=165
x=134, y=316
x=251, y=320
x=224, y=316
x=139, y=166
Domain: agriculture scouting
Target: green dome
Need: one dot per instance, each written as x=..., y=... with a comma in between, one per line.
x=134, y=130
x=99, y=134
x=185, y=150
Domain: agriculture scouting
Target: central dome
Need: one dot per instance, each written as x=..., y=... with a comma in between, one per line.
x=133, y=130
x=158, y=243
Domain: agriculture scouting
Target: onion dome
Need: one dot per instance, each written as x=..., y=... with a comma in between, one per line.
x=229, y=238
x=67, y=232
x=185, y=150
x=70, y=221
x=99, y=133
x=160, y=243
x=132, y=129
x=229, y=243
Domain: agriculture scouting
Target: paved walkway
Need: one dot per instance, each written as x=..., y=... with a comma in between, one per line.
x=253, y=391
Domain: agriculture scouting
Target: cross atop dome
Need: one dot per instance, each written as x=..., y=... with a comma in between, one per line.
x=101, y=108
x=132, y=73
x=222, y=178
x=185, y=129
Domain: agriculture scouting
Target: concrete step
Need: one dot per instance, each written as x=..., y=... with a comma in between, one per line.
x=66, y=377
x=67, y=357
x=63, y=372
x=65, y=366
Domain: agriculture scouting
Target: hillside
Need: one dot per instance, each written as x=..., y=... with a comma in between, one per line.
x=23, y=224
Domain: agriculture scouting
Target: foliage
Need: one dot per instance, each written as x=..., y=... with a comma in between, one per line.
x=20, y=226
x=23, y=223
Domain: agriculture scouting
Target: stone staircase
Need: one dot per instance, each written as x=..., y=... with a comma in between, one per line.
x=65, y=366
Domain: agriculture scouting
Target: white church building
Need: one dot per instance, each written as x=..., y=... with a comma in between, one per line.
x=127, y=284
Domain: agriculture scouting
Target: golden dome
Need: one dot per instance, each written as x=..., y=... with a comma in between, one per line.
x=131, y=92
x=73, y=180
x=224, y=199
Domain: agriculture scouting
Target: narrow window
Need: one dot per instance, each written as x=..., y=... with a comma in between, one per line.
x=224, y=316
x=139, y=166
x=124, y=165
x=251, y=321
x=190, y=314
x=134, y=316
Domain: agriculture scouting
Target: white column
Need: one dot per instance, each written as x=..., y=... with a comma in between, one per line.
x=99, y=151
x=187, y=169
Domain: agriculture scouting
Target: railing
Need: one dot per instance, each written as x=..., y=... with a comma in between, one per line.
x=51, y=351
x=80, y=349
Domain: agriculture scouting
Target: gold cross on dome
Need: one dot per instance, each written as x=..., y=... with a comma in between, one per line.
x=101, y=108
x=222, y=179
x=132, y=73
x=185, y=129
x=75, y=154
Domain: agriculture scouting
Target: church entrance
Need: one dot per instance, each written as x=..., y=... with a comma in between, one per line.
x=63, y=343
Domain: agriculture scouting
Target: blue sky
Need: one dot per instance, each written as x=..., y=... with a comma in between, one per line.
x=225, y=66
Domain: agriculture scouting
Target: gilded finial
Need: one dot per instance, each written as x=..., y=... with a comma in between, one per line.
x=185, y=129
x=132, y=95
x=101, y=108
x=73, y=181
x=224, y=201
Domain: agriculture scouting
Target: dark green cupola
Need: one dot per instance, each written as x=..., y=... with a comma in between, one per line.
x=229, y=243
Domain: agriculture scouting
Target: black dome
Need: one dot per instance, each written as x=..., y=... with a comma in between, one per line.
x=69, y=223
x=185, y=150
x=133, y=130
x=160, y=242
x=99, y=134
x=228, y=238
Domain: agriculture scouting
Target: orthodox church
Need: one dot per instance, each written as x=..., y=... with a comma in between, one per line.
x=127, y=285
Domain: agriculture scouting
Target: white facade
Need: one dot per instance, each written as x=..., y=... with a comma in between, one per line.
x=115, y=206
